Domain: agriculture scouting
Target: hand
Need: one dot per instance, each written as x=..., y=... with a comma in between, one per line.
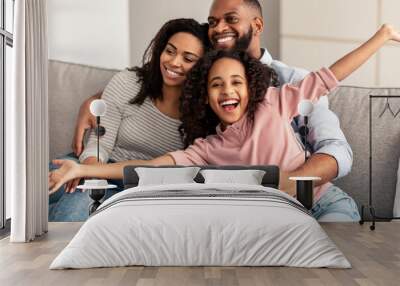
x=70, y=186
x=286, y=185
x=68, y=171
x=391, y=32
x=85, y=121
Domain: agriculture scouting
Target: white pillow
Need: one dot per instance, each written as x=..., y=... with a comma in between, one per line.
x=166, y=176
x=248, y=177
x=396, y=207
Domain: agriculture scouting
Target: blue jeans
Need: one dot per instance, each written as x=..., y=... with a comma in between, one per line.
x=74, y=206
x=335, y=206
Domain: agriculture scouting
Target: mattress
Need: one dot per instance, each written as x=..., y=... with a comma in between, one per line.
x=201, y=225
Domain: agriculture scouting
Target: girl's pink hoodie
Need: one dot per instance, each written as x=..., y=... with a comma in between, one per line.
x=270, y=140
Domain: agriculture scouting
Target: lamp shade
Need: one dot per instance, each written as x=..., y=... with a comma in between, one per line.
x=98, y=107
x=305, y=107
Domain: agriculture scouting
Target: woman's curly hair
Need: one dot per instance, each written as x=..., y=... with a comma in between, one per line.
x=149, y=74
x=198, y=119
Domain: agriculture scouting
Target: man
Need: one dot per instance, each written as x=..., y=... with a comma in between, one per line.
x=238, y=24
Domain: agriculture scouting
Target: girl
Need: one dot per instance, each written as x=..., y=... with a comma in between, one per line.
x=143, y=101
x=251, y=116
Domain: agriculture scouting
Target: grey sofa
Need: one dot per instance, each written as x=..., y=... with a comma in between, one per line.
x=71, y=84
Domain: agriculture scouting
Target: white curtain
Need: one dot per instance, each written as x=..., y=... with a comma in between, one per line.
x=27, y=123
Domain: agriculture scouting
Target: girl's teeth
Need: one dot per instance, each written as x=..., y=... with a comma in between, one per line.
x=229, y=102
x=229, y=105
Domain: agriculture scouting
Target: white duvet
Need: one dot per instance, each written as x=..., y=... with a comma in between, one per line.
x=268, y=228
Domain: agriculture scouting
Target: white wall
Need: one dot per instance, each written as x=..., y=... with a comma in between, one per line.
x=148, y=16
x=271, y=15
x=115, y=34
x=92, y=32
x=306, y=33
x=326, y=30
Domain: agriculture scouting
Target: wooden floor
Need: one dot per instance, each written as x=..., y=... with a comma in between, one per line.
x=374, y=255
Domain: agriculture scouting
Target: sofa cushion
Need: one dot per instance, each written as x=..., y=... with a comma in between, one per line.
x=69, y=85
x=351, y=104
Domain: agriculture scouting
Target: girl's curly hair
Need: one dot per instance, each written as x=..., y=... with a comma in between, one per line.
x=149, y=74
x=198, y=119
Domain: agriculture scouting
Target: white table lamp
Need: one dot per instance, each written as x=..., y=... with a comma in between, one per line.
x=96, y=187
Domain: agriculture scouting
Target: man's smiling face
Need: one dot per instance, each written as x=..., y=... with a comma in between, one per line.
x=230, y=25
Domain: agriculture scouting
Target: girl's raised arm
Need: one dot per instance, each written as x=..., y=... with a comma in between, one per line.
x=352, y=61
x=321, y=82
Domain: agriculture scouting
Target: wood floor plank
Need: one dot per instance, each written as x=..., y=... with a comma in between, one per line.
x=374, y=255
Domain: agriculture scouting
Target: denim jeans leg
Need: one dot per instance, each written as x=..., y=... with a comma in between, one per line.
x=335, y=206
x=71, y=206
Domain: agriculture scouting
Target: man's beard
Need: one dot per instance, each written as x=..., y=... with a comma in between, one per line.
x=243, y=43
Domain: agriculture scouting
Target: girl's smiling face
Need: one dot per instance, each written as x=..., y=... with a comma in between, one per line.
x=227, y=88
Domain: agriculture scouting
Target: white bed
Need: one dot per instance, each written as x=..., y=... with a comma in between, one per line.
x=201, y=225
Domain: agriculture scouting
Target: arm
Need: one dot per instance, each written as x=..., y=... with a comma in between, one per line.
x=333, y=157
x=327, y=166
x=312, y=87
x=195, y=154
x=352, y=61
x=318, y=165
x=319, y=83
x=70, y=186
x=325, y=131
x=115, y=95
x=116, y=170
x=85, y=121
x=327, y=138
x=70, y=170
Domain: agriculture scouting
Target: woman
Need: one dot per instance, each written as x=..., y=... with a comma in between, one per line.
x=142, y=119
x=251, y=116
